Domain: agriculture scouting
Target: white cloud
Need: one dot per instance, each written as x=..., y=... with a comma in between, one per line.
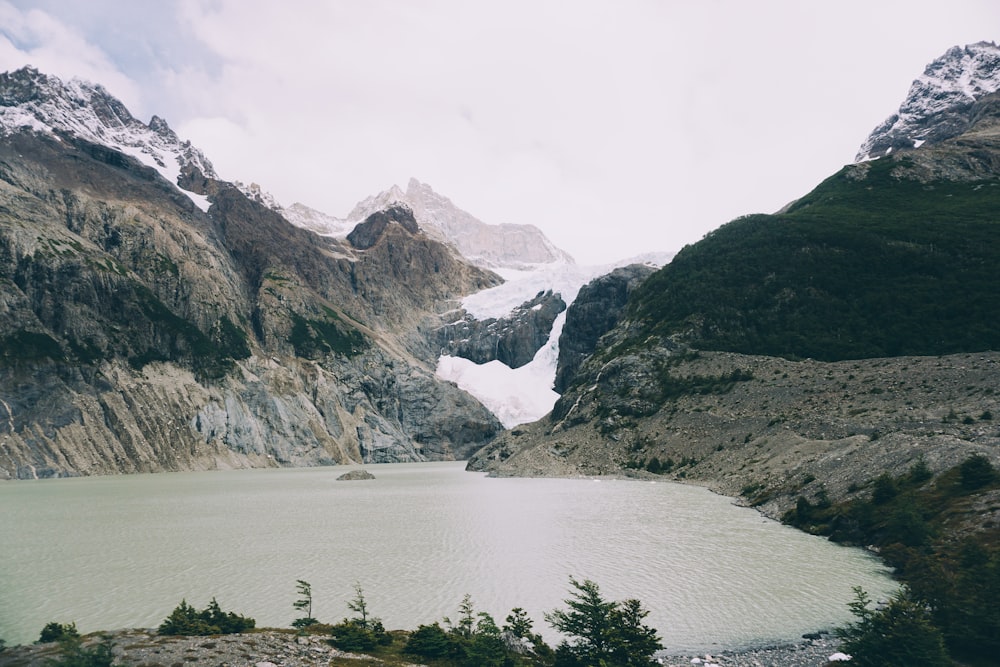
x=617, y=127
x=36, y=38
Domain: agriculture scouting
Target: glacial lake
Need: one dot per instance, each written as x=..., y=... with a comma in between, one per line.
x=122, y=551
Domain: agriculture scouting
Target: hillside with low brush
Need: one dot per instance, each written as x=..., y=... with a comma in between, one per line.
x=852, y=334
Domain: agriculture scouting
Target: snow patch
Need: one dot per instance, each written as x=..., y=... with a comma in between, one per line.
x=521, y=395
x=55, y=107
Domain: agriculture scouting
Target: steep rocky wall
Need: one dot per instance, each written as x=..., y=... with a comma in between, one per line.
x=512, y=340
x=54, y=421
x=138, y=333
x=595, y=311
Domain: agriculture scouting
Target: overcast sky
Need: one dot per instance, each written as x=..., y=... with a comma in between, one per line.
x=617, y=127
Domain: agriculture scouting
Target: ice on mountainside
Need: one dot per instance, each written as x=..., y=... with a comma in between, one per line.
x=528, y=262
x=525, y=394
x=317, y=222
x=48, y=105
x=934, y=106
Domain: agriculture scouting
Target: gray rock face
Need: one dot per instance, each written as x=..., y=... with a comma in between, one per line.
x=777, y=428
x=140, y=333
x=355, y=475
x=513, y=340
x=489, y=246
x=595, y=311
x=939, y=104
x=367, y=233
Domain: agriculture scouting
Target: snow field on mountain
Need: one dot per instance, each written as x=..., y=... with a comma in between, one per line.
x=523, y=395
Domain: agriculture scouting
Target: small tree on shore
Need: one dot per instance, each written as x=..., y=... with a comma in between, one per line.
x=304, y=603
x=602, y=632
x=54, y=632
x=901, y=634
x=359, y=606
x=361, y=632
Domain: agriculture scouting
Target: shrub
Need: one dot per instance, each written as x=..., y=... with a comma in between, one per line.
x=428, y=641
x=885, y=489
x=975, y=472
x=53, y=632
x=899, y=635
x=74, y=654
x=185, y=620
x=352, y=636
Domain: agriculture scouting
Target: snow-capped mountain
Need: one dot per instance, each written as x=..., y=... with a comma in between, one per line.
x=491, y=246
x=315, y=221
x=229, y=339
x=46, y=104
x=937, y=105
x=525, y=394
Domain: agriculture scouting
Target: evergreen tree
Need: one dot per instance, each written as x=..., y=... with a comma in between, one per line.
x=359, y=606
x=634, y=642
x=588, y=621
x=899, y=635
x=518, y=623
x=428, y=641
x=602, y=632
x=304, y=603
x=53, y=632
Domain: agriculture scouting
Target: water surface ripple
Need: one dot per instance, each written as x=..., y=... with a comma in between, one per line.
x=112, y=552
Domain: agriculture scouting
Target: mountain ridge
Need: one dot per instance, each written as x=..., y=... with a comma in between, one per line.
x=803, y=353
x=938, y=103
x=156, y=318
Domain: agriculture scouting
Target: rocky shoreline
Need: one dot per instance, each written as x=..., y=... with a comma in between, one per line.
x=808, y=653
x=285, y=648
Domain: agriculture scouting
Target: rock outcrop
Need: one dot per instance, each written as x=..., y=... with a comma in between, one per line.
x=490, y=246
x=596, y=310
x=355, y=475
x=512, y=340
x=366, y=234
x=940, y=104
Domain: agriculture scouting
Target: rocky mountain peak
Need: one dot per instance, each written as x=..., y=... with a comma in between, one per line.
x=486, y=245
x=36, y=102
x=940, y=102
x=366, y=234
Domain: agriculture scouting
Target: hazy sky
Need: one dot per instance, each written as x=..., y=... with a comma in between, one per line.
x=618, y=127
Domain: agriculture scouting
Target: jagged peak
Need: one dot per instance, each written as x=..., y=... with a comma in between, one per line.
x=36, y=102
x=254, y=192
x=489, y=246
x=366, y=234
x=374, y=203
x=937, y=104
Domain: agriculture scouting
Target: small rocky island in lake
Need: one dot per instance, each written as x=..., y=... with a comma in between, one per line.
x=356, y=474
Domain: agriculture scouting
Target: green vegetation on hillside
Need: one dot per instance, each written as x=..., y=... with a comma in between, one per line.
x=313, y=338
x=914, y=521
x=864, y=266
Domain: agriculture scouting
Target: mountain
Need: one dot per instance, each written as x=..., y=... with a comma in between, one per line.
x=503, y=246
x=940, y=102
x=154, y=317
x=29, y=100
x=801, y=354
